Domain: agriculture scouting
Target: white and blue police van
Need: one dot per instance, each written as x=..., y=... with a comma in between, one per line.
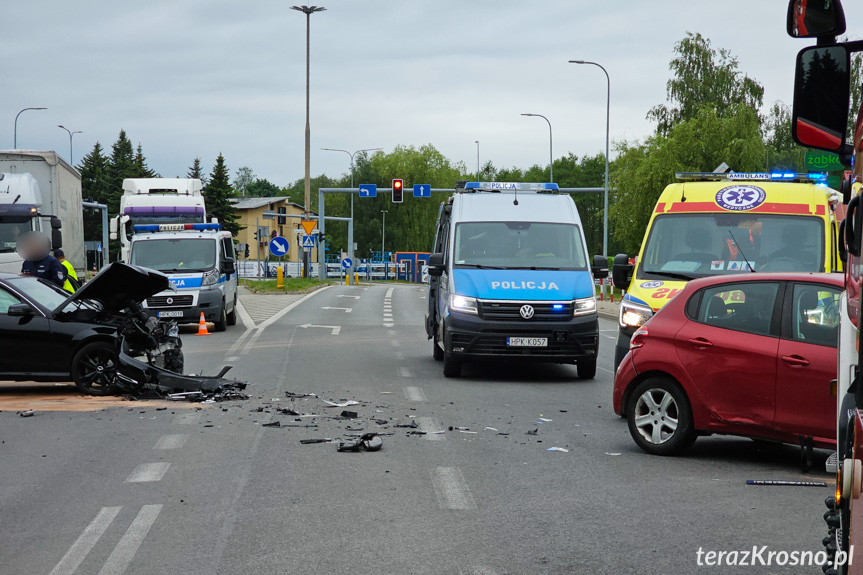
x=199, y=260
x=509, y=278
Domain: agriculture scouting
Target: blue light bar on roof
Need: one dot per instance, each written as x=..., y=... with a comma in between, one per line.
x=514, y=186
x=759, y=176
x=175, y=227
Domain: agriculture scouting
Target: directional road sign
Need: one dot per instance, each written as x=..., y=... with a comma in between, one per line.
x=422, y=191
x=309, y=225
x=347, y=263
x=308, y=241
x=279, y=246
x=368, y=190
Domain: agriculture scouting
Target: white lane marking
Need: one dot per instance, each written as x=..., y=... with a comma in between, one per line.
x=344, y=309
x=335, y=328
x=405, y=372
x=605, y=369
x=414, y=394
x=244, y=316
x=233, y=349
x=391, y=333
x=399, y=355
x=125, y=550
x=350, y=296
x=388, y=316
x=388, y=325
x=483, y=570
x=389, y=293
x=232, y=358
x=171, y=441
x=85, y=543
x=451, y=489
x=279, y=315
x=187, y=418
x=147, y=472
x=252, y=340
x=431, y=426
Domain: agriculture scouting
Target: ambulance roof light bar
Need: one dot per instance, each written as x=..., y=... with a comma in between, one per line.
x=750, y=176
x=509, y=186
x=176, y=227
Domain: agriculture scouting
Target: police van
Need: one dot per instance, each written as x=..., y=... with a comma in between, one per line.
x=509, y=278
x=199, y=260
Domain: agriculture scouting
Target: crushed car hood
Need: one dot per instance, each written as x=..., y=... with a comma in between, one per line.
x=118, y=283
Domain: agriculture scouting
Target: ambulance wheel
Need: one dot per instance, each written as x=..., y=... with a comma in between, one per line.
x=232, y=317
x=222, y=324
x=451, y=366
x=586, y=368
x=94, y=368
x=437, y=352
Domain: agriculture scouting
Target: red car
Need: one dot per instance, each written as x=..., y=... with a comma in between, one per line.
x=750, y=355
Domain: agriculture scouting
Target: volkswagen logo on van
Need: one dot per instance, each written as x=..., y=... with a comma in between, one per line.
x=526, y=311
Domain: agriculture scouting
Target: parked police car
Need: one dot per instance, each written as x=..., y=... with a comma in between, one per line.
x=510, y=278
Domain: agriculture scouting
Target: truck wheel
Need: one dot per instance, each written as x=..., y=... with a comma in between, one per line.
x=94, y=368
x=232, y=317
x=437, y=352
x=451, y=366
x=586, y=368
x=660, y=418
x=222, y=323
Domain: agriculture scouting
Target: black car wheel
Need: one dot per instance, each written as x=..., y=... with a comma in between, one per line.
x=222, y=323
x=660, y=418
x=94, y=368
x=437, y=352
x=232, y=317
x=451, y=366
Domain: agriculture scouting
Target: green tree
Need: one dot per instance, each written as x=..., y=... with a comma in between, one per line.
x=781, y=151
x=244, y=178
x=141, y=169
x=262, y=187
x=217, y=197
x=94, y=187
x=121, y=166
x=197, y=172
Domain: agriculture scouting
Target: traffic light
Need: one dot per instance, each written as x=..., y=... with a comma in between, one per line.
x=398, y=191
x=246, y=250
x=257, y=238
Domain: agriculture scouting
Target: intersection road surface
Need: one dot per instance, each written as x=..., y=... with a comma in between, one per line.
x=136, y=490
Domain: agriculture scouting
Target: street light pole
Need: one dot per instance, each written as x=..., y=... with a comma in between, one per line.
x=607, y=119
x=15, y=133
x=352, y=166
x=550, y=147
x=477, y=160
x=308, y=11
x=71, y=158
x=383, y=237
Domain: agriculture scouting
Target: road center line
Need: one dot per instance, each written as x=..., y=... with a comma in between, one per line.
x=389, y=293
x=171, y=441
x=451, y=489
x=147, y=472
x=125, y=550
x=85, y=543
x=431, y=426
x=414, y=394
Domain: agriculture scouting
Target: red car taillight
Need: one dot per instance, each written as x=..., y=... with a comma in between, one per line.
x=638, y=338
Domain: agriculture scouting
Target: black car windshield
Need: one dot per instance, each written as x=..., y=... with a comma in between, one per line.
x=175, y=254
x=697, y=245
x=10, y=228
x=40, y=291
x=519, y=245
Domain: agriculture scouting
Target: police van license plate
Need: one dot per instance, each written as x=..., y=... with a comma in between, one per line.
x=170, y=314
x=527, y=341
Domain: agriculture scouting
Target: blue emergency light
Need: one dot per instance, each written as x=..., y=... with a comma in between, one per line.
x=514, y=186
x=758, y=176
x=557, y=306
x=176, y=227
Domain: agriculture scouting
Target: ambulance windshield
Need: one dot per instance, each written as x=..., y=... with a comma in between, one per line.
x=696, y=245
x=519, y=245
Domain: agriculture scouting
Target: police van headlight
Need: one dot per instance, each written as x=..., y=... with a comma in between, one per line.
x=210, y=278
x=584, y=306
x=633, y=315
x=463, y=303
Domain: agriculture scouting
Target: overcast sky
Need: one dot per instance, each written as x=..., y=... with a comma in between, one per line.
x=190, y=78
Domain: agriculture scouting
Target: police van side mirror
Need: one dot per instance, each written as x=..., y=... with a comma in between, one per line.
x=822, y=87
x=621, y=272
x=600, y=267
x=228, y=266
x=436, y=265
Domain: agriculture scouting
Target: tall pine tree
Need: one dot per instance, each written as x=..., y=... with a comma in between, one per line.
x=121, y=166
x=94, y=187
x=217, y=197
x=197, y=172
x=142, y=170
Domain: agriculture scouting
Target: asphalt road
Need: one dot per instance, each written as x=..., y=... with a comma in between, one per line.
x=133, y=490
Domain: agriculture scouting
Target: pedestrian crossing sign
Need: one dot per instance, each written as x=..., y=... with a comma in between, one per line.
x=308, y=242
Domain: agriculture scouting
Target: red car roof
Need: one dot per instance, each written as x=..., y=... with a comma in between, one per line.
x=832, y=279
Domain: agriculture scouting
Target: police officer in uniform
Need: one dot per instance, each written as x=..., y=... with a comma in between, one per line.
x=35, y=248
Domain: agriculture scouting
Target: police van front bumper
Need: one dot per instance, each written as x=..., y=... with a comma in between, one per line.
x=567, y=341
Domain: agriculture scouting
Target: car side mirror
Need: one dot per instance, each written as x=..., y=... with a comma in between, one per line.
x=621, y=272
x=20, y=310
x=228, y=266
x=436, y=265
x=822, y=87
x=815, y=19
x=600, y=267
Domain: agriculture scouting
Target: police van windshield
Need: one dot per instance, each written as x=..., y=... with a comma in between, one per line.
x=10, y=229
x=519, y=245
x=175, y=254
x=684, y=246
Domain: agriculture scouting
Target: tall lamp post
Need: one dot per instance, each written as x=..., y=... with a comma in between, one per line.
x=607, y=116
x=15, y=133
x=477, y=160
x=550, y=147
x=71, y=158
x=383, y=237
x=308, y=11
x=352, y=166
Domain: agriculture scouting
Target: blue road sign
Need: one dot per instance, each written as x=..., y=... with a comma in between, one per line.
x=99, y=248
x=308, y=241
x=347, y=263
x=422, y=191
x=279, y=246
x=368, y=190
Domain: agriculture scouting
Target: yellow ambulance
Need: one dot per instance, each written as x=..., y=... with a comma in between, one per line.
x=735, y=223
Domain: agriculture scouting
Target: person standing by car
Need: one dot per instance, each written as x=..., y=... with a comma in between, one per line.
x=71, y=284
x=35, y=248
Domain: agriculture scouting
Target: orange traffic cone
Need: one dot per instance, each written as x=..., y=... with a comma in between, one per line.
x=202, y=326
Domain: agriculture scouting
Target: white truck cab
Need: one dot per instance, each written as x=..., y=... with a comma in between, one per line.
x=199, y=260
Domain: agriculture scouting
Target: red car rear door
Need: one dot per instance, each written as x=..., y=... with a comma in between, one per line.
x=807, y=361
x=729, y=352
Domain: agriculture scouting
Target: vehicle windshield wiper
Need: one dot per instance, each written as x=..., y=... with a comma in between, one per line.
x=480, y=266
x=534, y=268
x=672, y=275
